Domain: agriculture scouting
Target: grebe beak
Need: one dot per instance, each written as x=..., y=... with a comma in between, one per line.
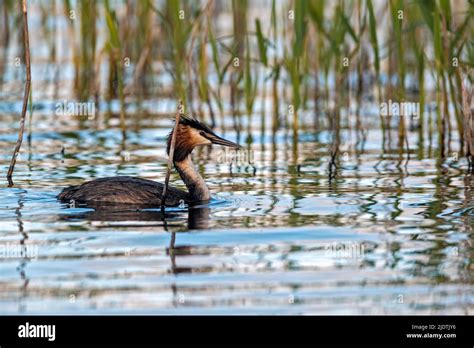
x=215, y=139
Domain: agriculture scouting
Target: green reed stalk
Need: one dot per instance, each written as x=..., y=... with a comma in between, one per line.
x=143, y=49
x=439, y=62
x=418, y=48
x=397, y=14
x=179, y=31
x=250, y=83
x=217, y=68
x=88, y=37
x=275, y=74
x=203, y=82
x=375, y=46
x=449, y=46
x=114, y=47
x=296, y=61
x=239, y=10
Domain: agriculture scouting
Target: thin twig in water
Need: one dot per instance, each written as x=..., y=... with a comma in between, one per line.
x=25, y=97
x=171, y=155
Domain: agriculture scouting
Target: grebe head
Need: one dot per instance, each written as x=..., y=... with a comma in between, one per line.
x=192, y=133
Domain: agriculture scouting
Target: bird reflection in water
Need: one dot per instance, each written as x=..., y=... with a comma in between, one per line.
x=198, y=218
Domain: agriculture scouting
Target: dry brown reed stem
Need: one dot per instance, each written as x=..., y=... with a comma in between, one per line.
x=25, y=96
x=171, y=155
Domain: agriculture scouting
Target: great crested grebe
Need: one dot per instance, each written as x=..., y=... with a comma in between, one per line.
x=137, y=191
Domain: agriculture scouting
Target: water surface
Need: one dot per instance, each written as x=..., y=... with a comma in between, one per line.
x=278, y=237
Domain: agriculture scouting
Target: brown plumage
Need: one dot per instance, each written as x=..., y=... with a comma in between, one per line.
x=137, y=191
x=123, y=189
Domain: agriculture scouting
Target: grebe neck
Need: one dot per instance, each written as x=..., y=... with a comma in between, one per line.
x=193, y=180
